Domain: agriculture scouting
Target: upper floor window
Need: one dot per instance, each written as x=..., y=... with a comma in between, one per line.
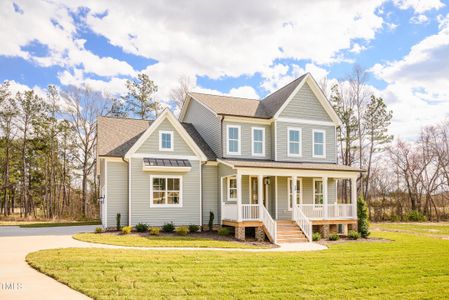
x=165, y=140
x=258, y=146
x=166, y=191
x=319, y=146
x=233, y=139
x=294, y=141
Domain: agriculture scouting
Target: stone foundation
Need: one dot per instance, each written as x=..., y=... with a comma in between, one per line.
x=260, y=234
x=240, y=233
x=324, y=231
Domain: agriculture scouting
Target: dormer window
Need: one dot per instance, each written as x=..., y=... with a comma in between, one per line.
x=233, y=139
x=165, y=140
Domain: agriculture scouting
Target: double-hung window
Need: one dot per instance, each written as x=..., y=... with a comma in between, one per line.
x=319, y=146
x=165, y=140
x=233, y=139
x=317, y=192
x=232, y=189
x=298, y=192
x=294, y=140
x=166, y=191
x=258, y=143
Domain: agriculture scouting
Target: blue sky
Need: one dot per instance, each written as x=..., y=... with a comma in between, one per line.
x=247, y=52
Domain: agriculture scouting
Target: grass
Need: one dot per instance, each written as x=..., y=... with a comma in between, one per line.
x=410, y=267
x=36, y=224
x=161, y=241
x=420, y=228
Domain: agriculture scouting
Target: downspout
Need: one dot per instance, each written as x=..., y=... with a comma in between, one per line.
x=129, y=189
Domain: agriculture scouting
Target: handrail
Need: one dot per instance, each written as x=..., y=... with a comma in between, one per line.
x=303, y=223
x=269, y=223
x=250, y=211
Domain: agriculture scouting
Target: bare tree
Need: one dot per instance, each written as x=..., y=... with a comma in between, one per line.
x=179, y=93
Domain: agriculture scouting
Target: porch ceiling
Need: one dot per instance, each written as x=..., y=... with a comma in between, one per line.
x=269, y=164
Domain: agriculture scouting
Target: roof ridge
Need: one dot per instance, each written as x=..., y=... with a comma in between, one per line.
x=278, y=90
x=124, y=118
x=227, y=96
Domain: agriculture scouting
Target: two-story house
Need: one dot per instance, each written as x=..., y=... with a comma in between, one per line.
x=270, y=164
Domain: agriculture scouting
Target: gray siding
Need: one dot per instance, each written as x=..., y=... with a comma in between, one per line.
x=305, y=105
x=206, y=123
x=117, y=192
x=151, y=145
x=246, y=140
x=210, y=189
x=307, y=143
x=141, y=211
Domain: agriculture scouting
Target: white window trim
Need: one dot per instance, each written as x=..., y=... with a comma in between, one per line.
x=324, y=143
x=314, y=194
x=238, y=139
x=166, y=186
x=171, y=140
x=289, y=182
x=228, y=189
x=263, y=141
x=288, y=142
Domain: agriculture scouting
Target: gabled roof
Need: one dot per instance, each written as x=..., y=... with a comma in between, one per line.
x=117, y=135
x=226, y=105
x=269, y=107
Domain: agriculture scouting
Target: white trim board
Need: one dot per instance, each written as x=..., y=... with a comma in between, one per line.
x=167, y=114
x=319, y=95
x=305, y=121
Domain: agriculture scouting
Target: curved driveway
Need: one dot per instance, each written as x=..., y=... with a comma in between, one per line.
x=19, y=281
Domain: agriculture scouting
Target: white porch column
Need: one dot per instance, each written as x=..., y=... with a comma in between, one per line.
x=325, y=198
x=354, y=196
x=260, y=194
x=294, y=190
x=239, y=197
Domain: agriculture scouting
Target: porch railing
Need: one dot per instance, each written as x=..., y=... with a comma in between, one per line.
x=304, y=223
x=269, y=224
x=334, y=211
x=250, y=211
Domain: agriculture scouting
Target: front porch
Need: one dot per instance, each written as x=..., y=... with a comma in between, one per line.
x=262, y=198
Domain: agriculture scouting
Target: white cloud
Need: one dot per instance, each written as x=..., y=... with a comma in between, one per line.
x=419, y=19
x=419, y=6
x=244, y=92
x=417, y=83
x=357, y=48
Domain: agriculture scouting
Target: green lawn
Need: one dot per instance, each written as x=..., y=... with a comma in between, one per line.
x=421, y=228
x=410, y=267
x=160, y=241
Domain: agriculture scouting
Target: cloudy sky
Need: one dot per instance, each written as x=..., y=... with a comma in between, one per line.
x=243, y=48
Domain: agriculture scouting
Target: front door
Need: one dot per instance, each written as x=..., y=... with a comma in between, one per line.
x=253, y=190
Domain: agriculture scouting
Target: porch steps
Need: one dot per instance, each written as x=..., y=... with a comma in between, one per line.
x=289, y=232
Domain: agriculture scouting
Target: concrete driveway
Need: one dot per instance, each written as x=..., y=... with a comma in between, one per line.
x=17, y=279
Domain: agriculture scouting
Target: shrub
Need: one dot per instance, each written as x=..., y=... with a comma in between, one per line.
x=193, y=228
x=155, y=231
x=168, y=227
x=416, y=216
x=362, y=214
x=211, y=220
x=141, y=227
x=126, y=229
x=98, y=230
x=316, y=236
x=334, y=237
x=182, y=230
x=224, y=231
x=353, y=235
x=117, y=219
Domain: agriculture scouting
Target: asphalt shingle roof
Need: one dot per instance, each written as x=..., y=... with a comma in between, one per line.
x=245, y=107
x=117, y=135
